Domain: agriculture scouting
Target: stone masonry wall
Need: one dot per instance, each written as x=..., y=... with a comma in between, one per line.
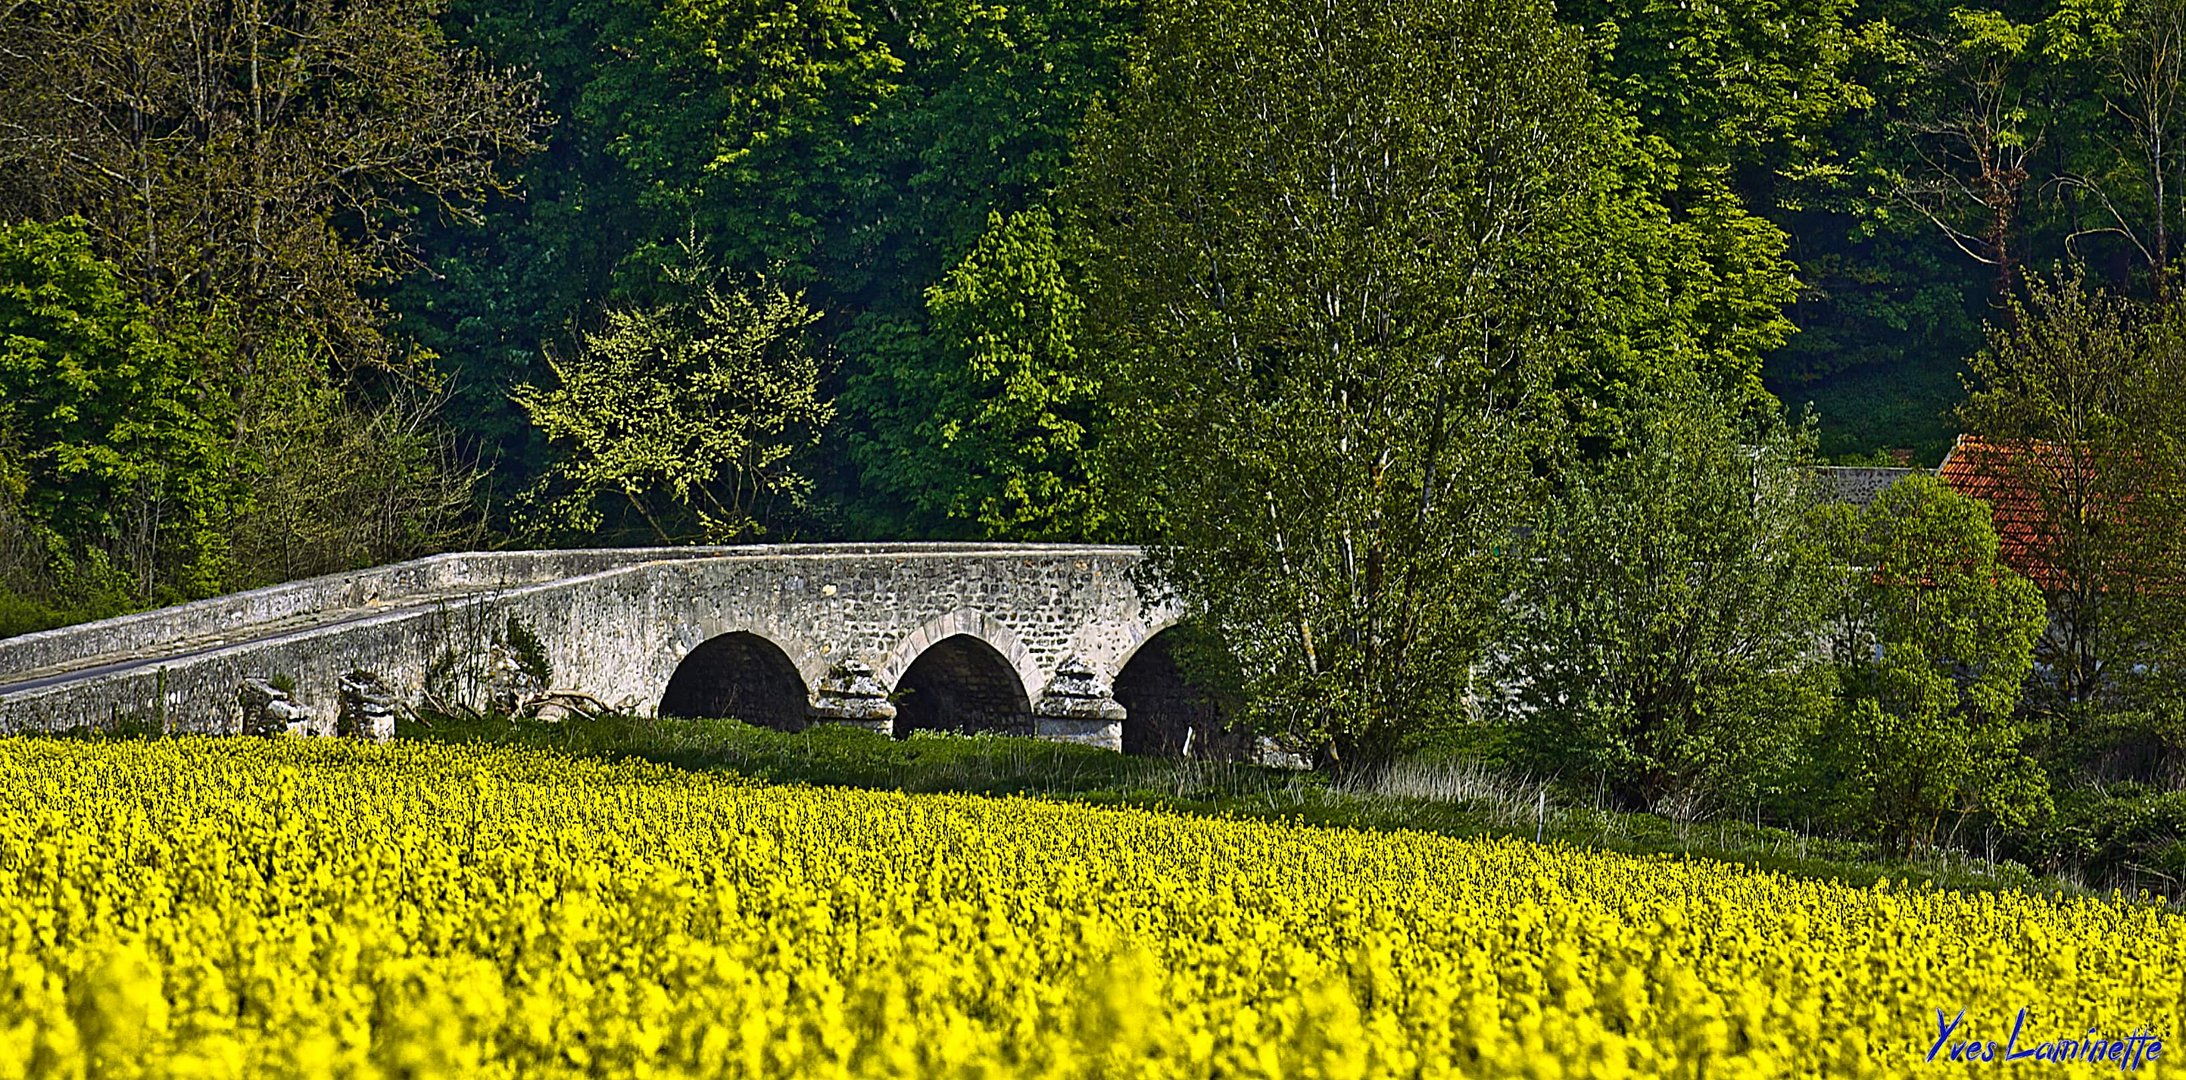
x=613, y=624
x=1859, y=485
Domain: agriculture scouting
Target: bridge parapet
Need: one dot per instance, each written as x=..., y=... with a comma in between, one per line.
x=294, y=603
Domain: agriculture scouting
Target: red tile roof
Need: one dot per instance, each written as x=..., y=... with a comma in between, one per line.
x=2016, y=477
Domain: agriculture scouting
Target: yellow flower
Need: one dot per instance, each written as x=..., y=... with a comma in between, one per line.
x=213, y=908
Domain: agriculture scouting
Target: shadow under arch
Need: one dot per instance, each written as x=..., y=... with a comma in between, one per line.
x=1166, y=712
x=962, y=684
x=740, y=675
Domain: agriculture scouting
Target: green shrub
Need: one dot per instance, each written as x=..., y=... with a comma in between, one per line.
x=1933, y=642
x=1661, y=646
x=2124, y=835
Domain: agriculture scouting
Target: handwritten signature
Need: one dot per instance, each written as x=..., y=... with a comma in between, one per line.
x=2127, y=1052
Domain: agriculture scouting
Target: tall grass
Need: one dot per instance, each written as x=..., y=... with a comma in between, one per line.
x=1460, y=797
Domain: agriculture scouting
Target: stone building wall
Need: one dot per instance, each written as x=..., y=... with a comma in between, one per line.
x=1859, y=485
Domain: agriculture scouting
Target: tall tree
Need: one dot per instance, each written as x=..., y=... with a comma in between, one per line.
x=1969, y=116
x=2135, y=54
x=850, y=149
x=2081, y=399
x=255, y=171
x=1348, y=272
x=989, y=418
x=264, y=155
x=111, y=432
x=1745, y=94
x=733, y=124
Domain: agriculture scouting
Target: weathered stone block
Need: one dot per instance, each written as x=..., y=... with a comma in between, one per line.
x=851, y=694
x=267, y=710
x=1077, y=692
x=1106, y=734
x=367, y=708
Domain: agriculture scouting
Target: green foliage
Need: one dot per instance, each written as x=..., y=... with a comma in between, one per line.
x=267, y=157
x=1909, y=157
x=1966, y=91
x=1750, y=86
x=24, y=615
x=2000, y=137
x=687, y=413
x=1349, y=269
x=1791, y=109
x=1660, y=644
x=1933, y=641
x=2128, y=62
x=2126, y=836
x=254, y=204
x=2092, y=390
x=343, y=477
x=530, y=653
x=852, y=150
x=118, y=471
x=1698, y=290
x=735, y=119
x=1883, y=409
x=1000, y=436
x=1283, y=266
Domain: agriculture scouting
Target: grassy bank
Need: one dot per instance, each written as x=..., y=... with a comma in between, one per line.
x=1452, y=798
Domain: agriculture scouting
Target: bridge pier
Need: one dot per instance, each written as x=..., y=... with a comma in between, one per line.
x=1078, y=706
x=852, y=696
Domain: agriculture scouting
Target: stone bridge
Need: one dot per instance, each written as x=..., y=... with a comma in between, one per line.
x=1048, y=640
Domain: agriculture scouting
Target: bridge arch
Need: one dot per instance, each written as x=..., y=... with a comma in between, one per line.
x=965, y=671
x=1165, y=715
x=1143, y=631
x=971, y=622
x=739, y=674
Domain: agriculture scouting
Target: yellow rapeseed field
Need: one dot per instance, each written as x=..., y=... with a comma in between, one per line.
x=230, y=907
